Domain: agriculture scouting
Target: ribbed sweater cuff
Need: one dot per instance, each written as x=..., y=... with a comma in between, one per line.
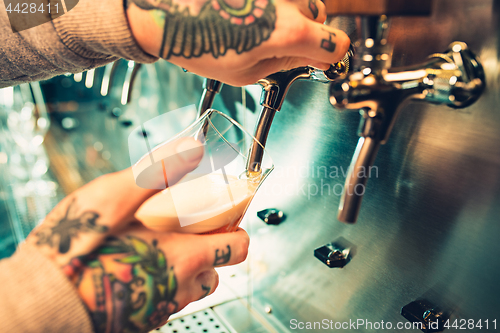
x=35, y=296
x=98, y=29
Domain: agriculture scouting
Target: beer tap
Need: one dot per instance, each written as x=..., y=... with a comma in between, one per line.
x=274, y=90
x=128, y=84
x=211, y=88
x=454, y=78
x=109, y=72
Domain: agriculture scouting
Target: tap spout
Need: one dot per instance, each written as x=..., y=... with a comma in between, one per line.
x=262, y=128
x=128, y=84
x=355, y=185
x=211, y=88
x=109, y=72
x=274, y=90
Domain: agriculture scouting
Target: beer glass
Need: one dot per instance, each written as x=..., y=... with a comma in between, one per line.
x=216, y=194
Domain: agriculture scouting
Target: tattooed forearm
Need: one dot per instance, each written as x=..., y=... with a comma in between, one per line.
x=126, y=284
x=217, y=28
x=313, y=8
x=327, y=44
x=68, y=227
x=223, y=257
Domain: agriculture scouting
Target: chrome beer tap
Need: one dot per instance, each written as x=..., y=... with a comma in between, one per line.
x=274, y=90
x=378, y=92
x=211, y=88
x=128, y=84
x=109, y=72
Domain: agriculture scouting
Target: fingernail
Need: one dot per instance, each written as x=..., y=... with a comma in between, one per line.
x=189, y=150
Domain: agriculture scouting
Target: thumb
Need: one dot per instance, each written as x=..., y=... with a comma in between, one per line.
x=318, y=42
x=167, y=163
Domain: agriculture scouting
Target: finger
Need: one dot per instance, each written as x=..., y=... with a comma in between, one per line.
x=210, y=251
x=196, y=287
x=307, y=39
x=269, y=66
x=163, y=167
x=206, y=283
x=166, y=164
x=313, y=9
x=116, y=197
x=330, y=44
x=227, y=248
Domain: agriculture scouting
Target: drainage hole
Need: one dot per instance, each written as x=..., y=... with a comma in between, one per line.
x=182, y=320
x=169, y=324
x=211, y=319
x=194, y=317
x=205, y=330
x=199, y=323
x=206, y=313
x=187, y=327
x=216, y=326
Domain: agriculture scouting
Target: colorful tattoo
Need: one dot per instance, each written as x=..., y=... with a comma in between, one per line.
x=313, y=8
x=217, y=28
x=126, y=285
x=68, y=227
x=224, y=256
x=328, y=44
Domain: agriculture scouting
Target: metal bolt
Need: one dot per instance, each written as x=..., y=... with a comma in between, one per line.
x=336, y=254
x=271, y=216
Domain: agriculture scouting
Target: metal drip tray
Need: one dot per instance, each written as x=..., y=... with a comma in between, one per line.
x=205, y=321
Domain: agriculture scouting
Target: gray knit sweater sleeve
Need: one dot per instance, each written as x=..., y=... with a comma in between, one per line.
x=92, y=34
x=36, y=297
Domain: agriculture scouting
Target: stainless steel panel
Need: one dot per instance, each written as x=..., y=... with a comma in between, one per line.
x=429, y=225
x=429, y=222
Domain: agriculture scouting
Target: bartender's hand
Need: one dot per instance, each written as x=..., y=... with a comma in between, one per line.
x=137, y=278
x=237, y=41
x=131, y=278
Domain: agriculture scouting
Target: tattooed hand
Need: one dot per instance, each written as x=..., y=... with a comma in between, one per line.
x=237, y=41
x=82, y=220
x=135, y=280
x=131, y=278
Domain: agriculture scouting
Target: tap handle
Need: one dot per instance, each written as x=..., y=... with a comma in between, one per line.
x=378, y=7
x=89, y=78
x=128, y=84
x=455, y=78
x=338, y=70
x=355, y=185
x=471, y=83
x=107, y=78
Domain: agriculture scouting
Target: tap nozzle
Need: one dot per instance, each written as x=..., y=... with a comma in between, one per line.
x=274, y=90
x=211, y=88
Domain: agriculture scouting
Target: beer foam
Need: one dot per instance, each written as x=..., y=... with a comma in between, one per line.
x=197, y=205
